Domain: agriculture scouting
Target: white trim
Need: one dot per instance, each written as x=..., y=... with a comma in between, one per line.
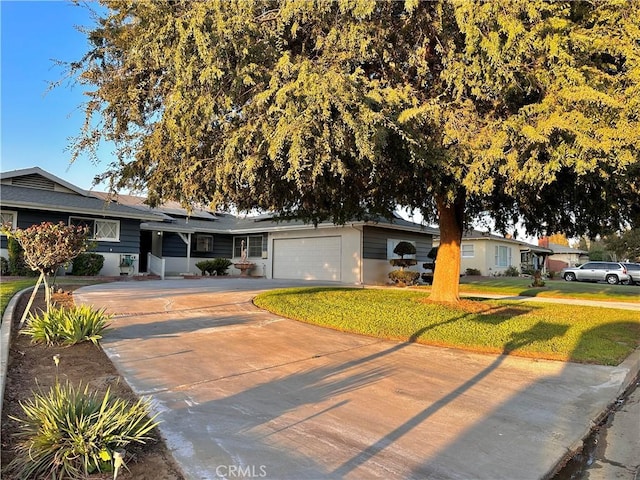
x=14, y=223
x=392, y=243
x=95, y=222
x=248, y=246
x=38, y=171
x=471, y=254
x=509, y=258
x=210, y=238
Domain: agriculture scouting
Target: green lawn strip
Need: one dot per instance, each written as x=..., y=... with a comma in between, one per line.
x=9, y=288
x=550, y=331
x=553, y=289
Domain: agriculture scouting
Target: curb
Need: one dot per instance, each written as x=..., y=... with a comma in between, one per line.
x=630, y=368
x=5, y=339
x=632, y=364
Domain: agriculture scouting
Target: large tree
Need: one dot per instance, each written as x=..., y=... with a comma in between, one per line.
x=521, y=110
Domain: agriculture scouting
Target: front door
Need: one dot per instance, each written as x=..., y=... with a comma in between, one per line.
x=145, y=248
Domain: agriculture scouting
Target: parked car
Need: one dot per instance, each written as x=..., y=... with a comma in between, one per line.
x=633, y=270
x=610, y=272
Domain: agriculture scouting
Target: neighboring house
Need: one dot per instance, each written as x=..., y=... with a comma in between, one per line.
x=563, y=256
x=170, y=241
x=492, y=254
x=31, y=196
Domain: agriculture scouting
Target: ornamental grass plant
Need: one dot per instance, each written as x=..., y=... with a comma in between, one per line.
x=67, y=326
x=70, y=432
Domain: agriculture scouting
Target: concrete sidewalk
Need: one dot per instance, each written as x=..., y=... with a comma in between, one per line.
x=244, y=394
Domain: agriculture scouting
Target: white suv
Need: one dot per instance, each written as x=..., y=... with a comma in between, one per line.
x=610, y=272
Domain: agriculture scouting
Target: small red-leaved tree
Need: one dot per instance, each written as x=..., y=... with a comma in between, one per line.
x=47, y=247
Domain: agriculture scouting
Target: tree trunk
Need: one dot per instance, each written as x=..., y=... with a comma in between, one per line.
x=446, y=277
x=47, y=291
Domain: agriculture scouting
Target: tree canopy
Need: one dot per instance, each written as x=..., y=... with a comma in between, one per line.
x=626, y=245
x=47, y=246
x=521, y=110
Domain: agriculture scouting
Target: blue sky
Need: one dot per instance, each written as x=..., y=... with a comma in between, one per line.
x=37, y=123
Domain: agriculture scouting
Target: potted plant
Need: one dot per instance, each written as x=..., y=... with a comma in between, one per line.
x=126, y=264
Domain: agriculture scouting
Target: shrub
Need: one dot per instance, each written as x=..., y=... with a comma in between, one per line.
x=403, y=262
x=511, y=272
x=17, y=265
x=216, y=266
x=4, y=266
x=87, y=264
x=60, y=326
x=406, y=277
x=551, y=274
x=537, y=279
x=473, y=271
x=404, y=248
x=70, y=433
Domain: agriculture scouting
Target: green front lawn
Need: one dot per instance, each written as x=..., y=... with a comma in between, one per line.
x=10, y=288
x=551, y=331
x=553, y=288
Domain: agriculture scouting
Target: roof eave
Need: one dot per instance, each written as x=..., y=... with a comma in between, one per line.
x=73, y=210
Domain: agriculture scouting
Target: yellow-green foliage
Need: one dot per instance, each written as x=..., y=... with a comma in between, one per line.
x=524, y=108
x=555, y=289
x=70, y=432
x=567, y=332
x=67, y=326
x=9, y=289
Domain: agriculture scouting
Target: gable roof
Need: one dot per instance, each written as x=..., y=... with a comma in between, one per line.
x=564, y=249
x=33, y=188
x=35, y=177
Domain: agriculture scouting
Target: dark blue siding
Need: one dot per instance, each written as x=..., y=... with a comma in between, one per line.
x=374, y=241
x=223, y=246
x=129, y=229
x=173, y=246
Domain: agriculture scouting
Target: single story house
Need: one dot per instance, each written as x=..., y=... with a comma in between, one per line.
x=492, y=254
x=563, y=255
x=169, y=240
x=31, y=196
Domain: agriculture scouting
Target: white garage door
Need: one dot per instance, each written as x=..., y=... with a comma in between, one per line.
x=309, y=258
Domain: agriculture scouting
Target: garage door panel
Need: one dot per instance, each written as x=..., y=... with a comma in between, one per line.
x=308, y=258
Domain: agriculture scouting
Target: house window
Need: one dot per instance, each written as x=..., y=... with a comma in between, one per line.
x=392, y=243
x=253, y=243
x=204, y=243
x=502, y=256
x=102, y=230
x=8, y=217
x=467, y=251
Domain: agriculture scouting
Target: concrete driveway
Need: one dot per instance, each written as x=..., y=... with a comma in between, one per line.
x=245, y=394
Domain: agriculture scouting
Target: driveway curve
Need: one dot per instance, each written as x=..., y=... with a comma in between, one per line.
x=242, y=393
